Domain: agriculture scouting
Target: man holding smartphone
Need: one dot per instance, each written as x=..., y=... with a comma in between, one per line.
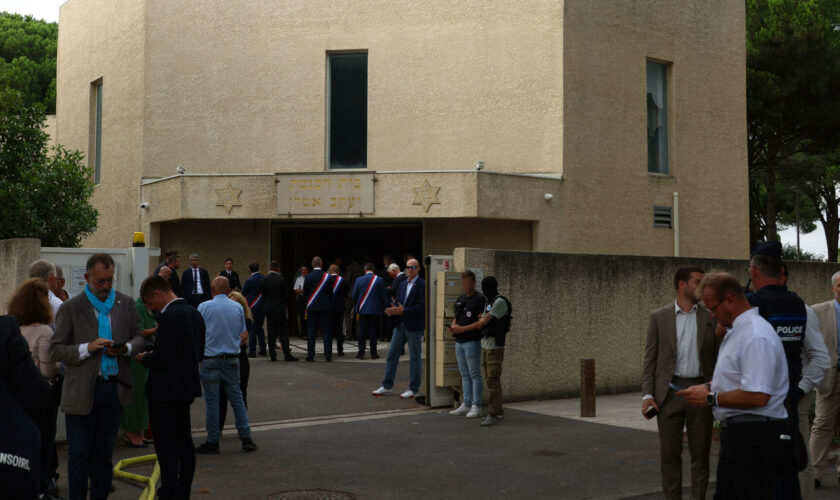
x=680, y=351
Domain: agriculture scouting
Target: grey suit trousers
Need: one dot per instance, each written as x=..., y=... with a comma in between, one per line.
x=674, y=416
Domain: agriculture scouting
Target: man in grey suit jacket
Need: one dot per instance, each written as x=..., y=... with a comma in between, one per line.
x=828, y=392
x=95, y=333
x=680, y=351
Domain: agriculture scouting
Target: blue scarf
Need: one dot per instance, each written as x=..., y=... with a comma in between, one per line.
x=109, y=363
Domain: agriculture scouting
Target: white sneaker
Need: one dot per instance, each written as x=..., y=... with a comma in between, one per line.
x=461, y=411
x=475, y=412
x=409, y=394
x=381, y=392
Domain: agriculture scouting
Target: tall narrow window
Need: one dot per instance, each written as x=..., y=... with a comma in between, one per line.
x=95, y=129
x=657, y=117
x=347, y=111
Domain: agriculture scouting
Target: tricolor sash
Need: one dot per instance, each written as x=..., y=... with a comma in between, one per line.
x=254, y=302
x=338, y=279
x=367, y=292
x=317, y=291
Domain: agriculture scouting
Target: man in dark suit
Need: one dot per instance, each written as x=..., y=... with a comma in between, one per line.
x=317, y=291
x=95, y=333
x=275, y=295
x=680, y=351
x=173, y=262
x=340, y=287
x=369, y=299
x=410, y=311
x=396, y=277
x=195, y=283
x=253, y=294
x=173, y=384
x=231, y=275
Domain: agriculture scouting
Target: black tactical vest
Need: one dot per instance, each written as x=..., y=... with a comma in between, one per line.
x=498, y=328
x=786, y=312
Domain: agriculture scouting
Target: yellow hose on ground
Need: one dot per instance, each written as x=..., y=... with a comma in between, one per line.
x=150, y=483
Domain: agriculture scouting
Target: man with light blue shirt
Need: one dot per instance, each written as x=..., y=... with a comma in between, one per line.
x=828, y=393
x=747, y=395
x=226, y=332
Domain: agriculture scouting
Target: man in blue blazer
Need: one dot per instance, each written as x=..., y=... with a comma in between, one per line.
x=369, y=298
x=252, y=290
x=410, y=311
x=195, y=283
x=317, y=291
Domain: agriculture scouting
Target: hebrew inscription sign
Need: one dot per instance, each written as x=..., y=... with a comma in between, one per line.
x=327, y=193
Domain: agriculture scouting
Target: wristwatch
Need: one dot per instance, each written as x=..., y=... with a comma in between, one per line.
x=711, y=399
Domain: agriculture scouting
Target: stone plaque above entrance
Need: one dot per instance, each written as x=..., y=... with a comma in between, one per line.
x=327, y=193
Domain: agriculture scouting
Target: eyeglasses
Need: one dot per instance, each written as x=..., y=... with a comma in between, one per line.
x=413, y=267
x=102, y=282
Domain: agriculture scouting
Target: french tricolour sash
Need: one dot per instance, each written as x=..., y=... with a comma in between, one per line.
x=317, y=291
x=367, y=292
x=338, y=279
x=255, y=301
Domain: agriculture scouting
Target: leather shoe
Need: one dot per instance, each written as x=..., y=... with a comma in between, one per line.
x=208, y=448
x=360, y=355
x=341, y=353
x=262, y=353
x=248, y=445
x=310, y=360
x=289, y=357
x=328, y=358
x=252, y=355
x=374, y=356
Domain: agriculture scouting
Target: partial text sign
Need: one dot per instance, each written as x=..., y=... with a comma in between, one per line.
x=327, y=193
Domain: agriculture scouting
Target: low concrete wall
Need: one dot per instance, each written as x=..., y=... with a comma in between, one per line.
x=16, y=255
x=567, y=307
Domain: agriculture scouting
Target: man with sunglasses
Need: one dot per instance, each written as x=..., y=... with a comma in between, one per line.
x=747, y=395
x=410, y=310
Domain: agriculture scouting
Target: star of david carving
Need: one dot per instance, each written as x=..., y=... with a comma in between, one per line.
x=426, y=195
x=228, y=197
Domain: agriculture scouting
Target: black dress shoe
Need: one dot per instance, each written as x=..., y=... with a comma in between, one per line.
x=341, y=353
x=273, y=359
x=374, y=356
x=360, y=355
x=262, y=353
x=817, y=484
x=289, y=357
x=310, y=360
x=329, y=358
x=208, y=448
x=248, y=445
x=254, y=355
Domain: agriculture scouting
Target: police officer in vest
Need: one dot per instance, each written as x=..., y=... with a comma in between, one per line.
x=805, y=351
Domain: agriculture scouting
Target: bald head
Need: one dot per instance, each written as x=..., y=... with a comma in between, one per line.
x=165, y=271
x=412, y=268
x=220, y=286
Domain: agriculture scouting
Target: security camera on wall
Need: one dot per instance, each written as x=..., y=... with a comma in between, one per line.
x=144, y=205
x=181, y=170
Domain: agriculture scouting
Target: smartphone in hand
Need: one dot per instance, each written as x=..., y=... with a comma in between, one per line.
x=651, y=412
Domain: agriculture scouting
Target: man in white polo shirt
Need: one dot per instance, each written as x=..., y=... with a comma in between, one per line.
x=747, y=394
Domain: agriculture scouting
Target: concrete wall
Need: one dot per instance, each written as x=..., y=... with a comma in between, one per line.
x=567, y=307
x=243, y=241
x=606, y=183
x=16, y=255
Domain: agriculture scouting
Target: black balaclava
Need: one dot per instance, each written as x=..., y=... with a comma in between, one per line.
x=489, y=287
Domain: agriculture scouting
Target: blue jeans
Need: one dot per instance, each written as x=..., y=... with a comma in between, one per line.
x=469, y=363
x=90, y=443
x=398, y=340
x=216, y=373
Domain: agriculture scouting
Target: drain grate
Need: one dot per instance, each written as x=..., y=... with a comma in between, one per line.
x=311, y=495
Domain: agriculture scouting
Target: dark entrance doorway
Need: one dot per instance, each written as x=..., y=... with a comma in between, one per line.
x=294, y=245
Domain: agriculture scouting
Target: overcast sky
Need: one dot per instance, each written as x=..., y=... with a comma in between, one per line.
x=39, y=9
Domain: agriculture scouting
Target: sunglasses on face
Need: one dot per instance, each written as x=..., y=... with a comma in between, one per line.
x=413, y=267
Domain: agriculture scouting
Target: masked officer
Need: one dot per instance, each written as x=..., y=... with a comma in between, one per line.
x=789, y=317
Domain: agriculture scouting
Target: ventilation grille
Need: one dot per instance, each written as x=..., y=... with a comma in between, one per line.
x=662, y=217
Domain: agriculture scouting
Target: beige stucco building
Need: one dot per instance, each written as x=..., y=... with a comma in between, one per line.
x=589, y=115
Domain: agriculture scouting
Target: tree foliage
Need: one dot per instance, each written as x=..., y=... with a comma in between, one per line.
x=45, y=194
x=793, y=110
x=27, y=58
